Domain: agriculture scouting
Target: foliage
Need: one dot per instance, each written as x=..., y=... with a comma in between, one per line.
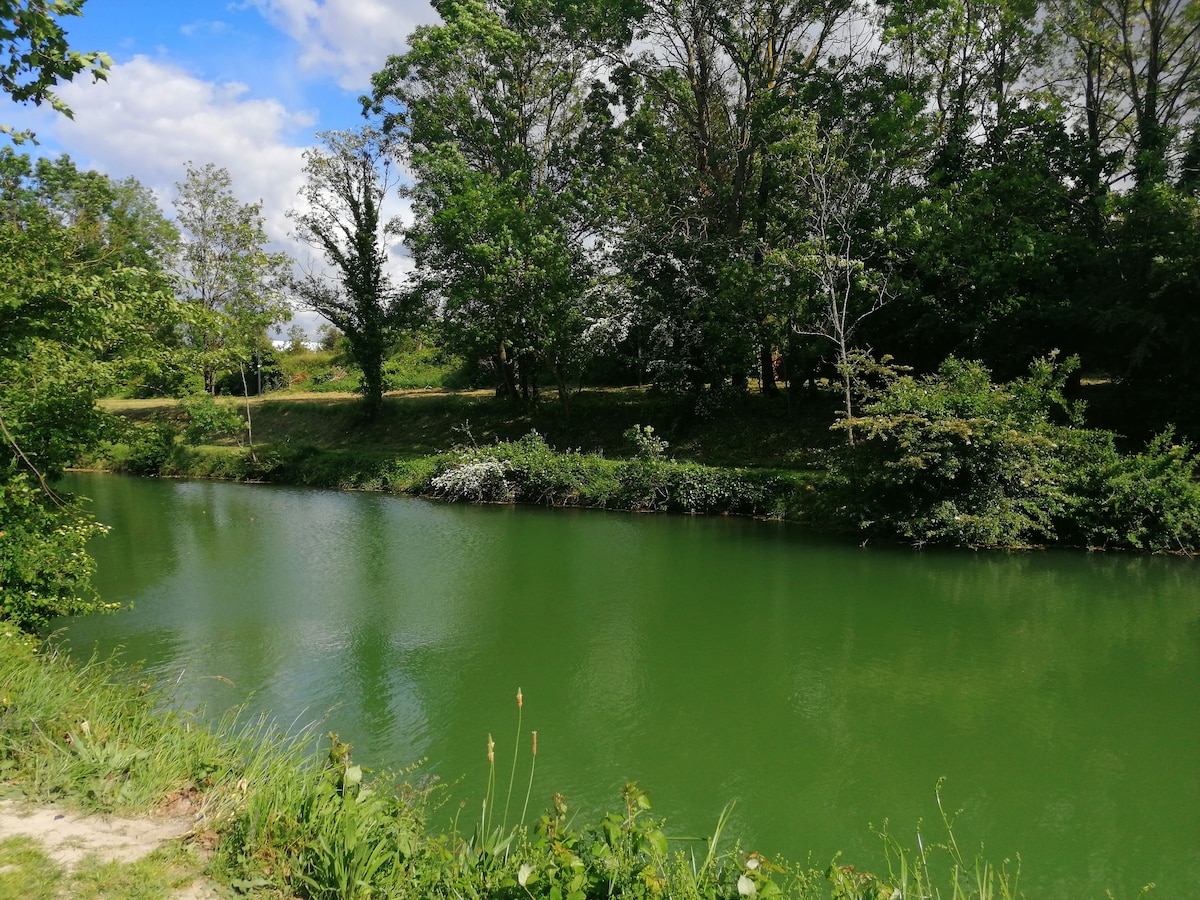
x=1149, y=336
x=144, y=449
x=44, y=567
x=497, y=112
x=415, y=365
x=1149, y=500
x=473, y=481
x=645, y=444
x=955, y=458
x=318, y=370
x=35, y=56
x=529, y=470
x=70, y=329
x=411, y=364
x=347, y=182
x=113, y=221
x=717, y=140
x=207, y=418
x=709, y=192
x=222, y=267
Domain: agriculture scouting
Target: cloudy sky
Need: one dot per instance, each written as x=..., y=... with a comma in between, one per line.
x=245, y=85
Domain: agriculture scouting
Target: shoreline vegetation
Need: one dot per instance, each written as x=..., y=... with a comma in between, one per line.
x=951, y=458
x=715, y=206
x=271, y=819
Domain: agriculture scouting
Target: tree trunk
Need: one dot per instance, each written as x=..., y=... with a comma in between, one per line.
x=504, y=368
x=847, y=385
x=766, y=366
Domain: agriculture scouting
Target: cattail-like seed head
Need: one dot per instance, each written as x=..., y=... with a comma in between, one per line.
x=491, y=749
x=535, y=743
x=520, y=699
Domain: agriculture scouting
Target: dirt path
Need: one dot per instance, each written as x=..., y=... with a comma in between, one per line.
x=68, y=838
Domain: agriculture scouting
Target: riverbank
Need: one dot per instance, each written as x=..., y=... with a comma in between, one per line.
x=950, y=459
x=91, y=737
x=624, y=450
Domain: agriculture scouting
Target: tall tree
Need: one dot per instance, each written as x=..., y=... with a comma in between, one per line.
x=978, y=63
x=224, y=268
x=347, y=181
x=841, y=290
x=713, y=138
x=116, y=224
x=72, y=313
x=498, y=114
x=1135, y=74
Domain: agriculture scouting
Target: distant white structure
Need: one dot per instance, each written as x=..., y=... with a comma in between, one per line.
x=287, y=345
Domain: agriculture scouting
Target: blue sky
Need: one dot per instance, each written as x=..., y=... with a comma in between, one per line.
x=245, y=85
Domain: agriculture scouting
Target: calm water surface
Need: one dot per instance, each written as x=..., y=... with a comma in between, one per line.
x=823, y=686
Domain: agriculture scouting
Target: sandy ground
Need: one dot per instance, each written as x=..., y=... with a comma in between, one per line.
x=68, y=837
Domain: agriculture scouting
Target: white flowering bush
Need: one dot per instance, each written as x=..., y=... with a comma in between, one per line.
x=476, y=482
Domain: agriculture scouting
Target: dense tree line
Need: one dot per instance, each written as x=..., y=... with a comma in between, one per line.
x=731, y=191
x=702, y=194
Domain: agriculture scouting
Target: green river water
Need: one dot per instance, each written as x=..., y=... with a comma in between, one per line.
x=823, y=686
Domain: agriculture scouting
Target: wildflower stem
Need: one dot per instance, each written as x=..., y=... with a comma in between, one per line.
x=512, y=777
x=529, y=789
x=491, y=786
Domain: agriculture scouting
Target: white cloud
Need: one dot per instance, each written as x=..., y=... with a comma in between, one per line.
x=207, y=27
x=348, y=39
x=150, y=118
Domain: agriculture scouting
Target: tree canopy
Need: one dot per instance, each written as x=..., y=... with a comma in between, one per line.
x=79, y=316
x=342, y=217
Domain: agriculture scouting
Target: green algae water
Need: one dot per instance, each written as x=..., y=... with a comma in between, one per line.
x=824, y=687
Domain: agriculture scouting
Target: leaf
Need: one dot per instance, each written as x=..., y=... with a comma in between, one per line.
x=656, y=841
x=526, y=874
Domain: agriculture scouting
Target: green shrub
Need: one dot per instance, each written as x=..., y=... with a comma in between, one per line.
x=1143, y=501
x=955, y=458
x=45, y=571
x=670, y=486
x=423, y=366
x=207, y=419
x=144, y=449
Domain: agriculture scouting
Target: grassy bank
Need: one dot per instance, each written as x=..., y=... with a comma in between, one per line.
x=287, y=825
x=613, y=450
x=754, y=431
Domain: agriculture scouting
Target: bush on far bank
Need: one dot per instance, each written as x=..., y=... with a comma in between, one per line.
x=955, y=458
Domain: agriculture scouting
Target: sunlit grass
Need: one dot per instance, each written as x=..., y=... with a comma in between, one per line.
x=29, y=872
